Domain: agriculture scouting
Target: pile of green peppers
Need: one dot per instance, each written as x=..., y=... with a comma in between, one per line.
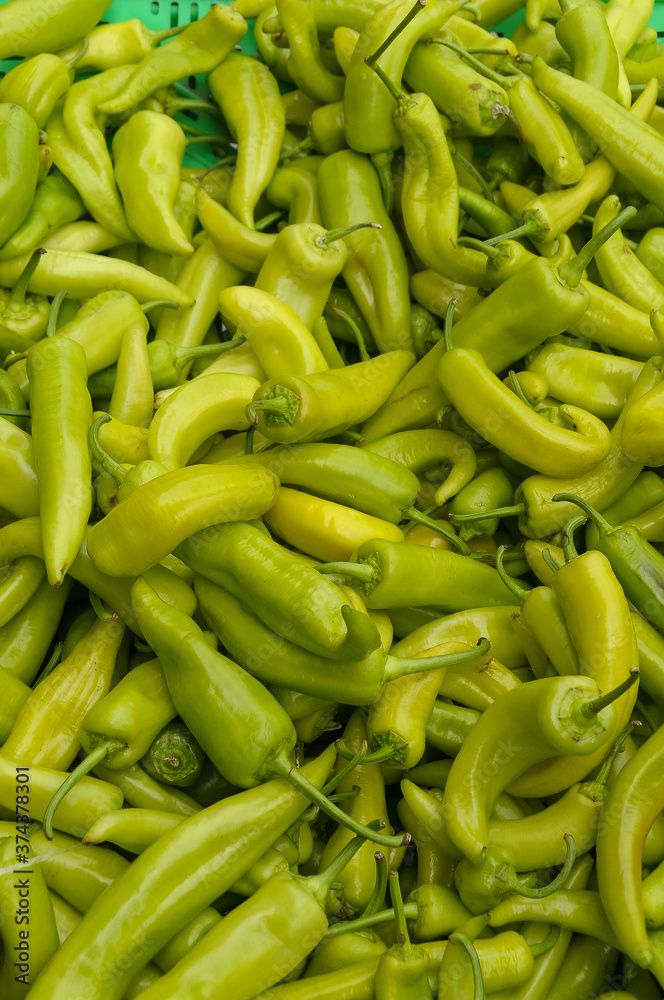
x=331, y=506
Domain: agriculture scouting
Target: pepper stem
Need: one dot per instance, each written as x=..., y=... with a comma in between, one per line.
x=17, y=297
x=290, y=151
x=52, y=663
x=107, y=463
x=267, y=220
x=96, y=757
x=320, y=883
x=602, y=525
x=396, y=666
x=397, y=903
x=6, y=411
x=183, y=355
x=508, y=875
x=420, y=518
x=278, y=406
x=571, y=271
x=550, y=561
x=418, y=6
x=397, y=94
x=357, y=571
x=485, y=515
x=100, y=610
x=530, y=228
x=647, y=717
x=361, y=346
x=471, y=169
x=194, y=140
x=547, y=944
x=354, y=762
x=604, y=774
x=337, y=234
x=377, y=900
x=518, y=391
x=569, y=548
x=469, y=241
x=368, y=920
x=376, y=757
x=78, y=53
x=490, y=74
x=449, y=322
x=159, y=304
x=478, y=980
x=282, y=765
x=519, y=592
x=249, y=440
x=595, y=707
x=55, y=312
x=161, y=36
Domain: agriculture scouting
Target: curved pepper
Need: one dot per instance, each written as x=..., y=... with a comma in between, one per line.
x=27, y=636
x=233, y=700
x=300, y=267
x=148, y=151
x=508, y=424
x=621, y=270
x=246, y=247
x=630, y=145
x=368, y=105
x=196, y=411
x=123, y=544
x=598, y=382
x=360, y=478
x=56, y=203
x=200, y=47
x=555, y=716
x=295, y=189
x=282, y=343
x=422, y=449
x=304, y=64
x=289, y=596
x=250, y=102
x=312, y=407
x=642, y=429
x=376, y=271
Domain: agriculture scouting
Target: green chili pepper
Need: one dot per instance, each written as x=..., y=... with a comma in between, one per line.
x=376, y=272
x=304, y=63
x=539, y=515
x=148, y=152
x=312, y=407
x=37, y=84
x=19, y=144
x=27, y=924
x=381, y=570
x=153, y=903
x=33, y=26
x=626, y=142
x=491, y=407
x=138, y=788
x=61, y=410
x=174, y=756
x=402, y=970
x=541, y=733
x=117, y=44
x=188, y=499
x=26, y=638
x=19, y=492
x=55, y=204
x=250, y=102
x=205, y=666
x=129, y=718
x=201, y=46
x=368, y=105
x=275, y=660
x=296, y=189
x=61, y=701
